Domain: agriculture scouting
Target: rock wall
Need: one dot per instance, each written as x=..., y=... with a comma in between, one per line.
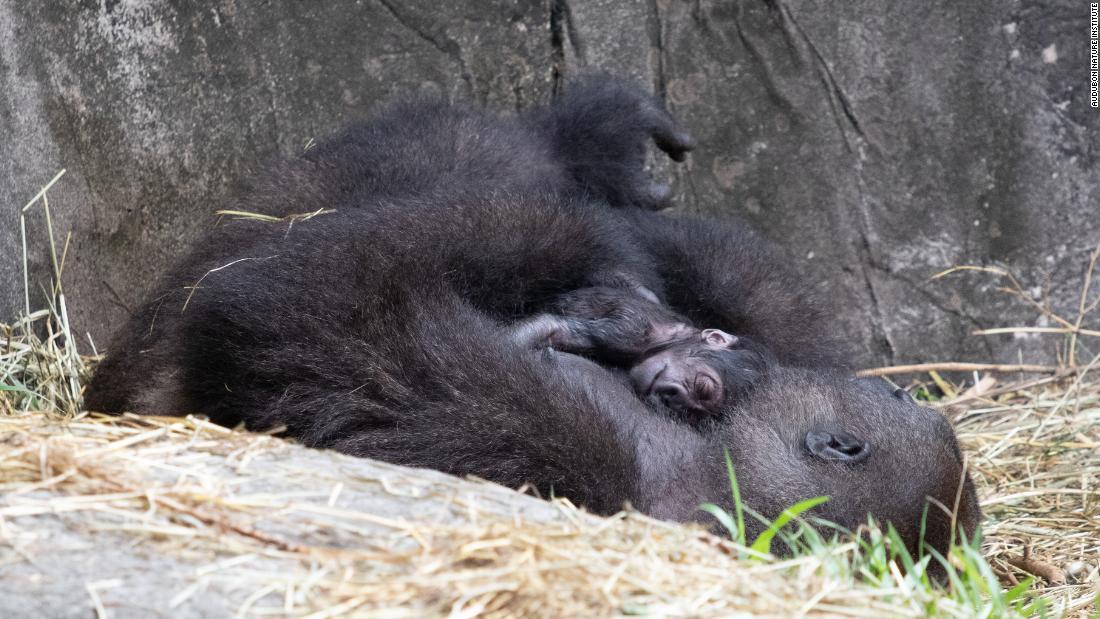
x=879, y=142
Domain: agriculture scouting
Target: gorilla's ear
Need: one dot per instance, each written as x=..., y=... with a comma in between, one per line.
x=718, y=338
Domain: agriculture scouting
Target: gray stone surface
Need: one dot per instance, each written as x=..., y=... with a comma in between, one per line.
x=880, y=142
x=68, y=554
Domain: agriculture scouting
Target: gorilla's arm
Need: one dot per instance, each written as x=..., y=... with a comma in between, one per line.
x=718, y=273
x=598, y=130
x=508, y=256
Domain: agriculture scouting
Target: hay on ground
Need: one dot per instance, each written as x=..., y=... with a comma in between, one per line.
x=148, y=516
x=119, y=514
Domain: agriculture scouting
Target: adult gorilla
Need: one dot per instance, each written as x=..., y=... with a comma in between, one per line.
x=384, y=328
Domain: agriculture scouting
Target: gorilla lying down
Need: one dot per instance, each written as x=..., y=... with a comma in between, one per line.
x=494, y=295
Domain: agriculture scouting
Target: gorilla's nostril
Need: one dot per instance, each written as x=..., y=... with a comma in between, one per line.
x=670, y=394
x=837, y=446
x=667, y=393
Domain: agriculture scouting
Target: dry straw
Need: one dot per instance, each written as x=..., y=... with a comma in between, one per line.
x=267, y=528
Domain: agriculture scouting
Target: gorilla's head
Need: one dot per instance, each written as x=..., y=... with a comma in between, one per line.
x=807, y=433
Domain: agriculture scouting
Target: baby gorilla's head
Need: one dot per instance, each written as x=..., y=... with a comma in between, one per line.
x=695, y=377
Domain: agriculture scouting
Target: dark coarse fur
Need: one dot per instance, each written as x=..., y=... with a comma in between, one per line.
x=748, y=290
x=381, y=329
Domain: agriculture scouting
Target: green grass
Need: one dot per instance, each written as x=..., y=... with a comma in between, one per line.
x=29, y=399
x=924, y=394
x=961, y=584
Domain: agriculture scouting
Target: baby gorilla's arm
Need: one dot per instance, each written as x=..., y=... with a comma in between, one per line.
x=616, y=325
x=619, y=326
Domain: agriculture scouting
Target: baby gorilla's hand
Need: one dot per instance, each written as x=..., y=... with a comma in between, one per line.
x=621, y=324
x=549, y=331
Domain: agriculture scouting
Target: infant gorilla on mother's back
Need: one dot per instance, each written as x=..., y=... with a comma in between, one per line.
x=388, y=327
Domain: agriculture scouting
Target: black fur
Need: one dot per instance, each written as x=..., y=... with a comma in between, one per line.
x=381, y=329
x=720, y=274
x=599, y=130
x=695, y=373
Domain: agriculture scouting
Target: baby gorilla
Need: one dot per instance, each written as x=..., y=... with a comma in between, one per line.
x=694, y=373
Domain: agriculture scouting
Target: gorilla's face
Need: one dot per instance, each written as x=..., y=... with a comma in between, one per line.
x=800, y=434
x=699, y=377
x=869, y=448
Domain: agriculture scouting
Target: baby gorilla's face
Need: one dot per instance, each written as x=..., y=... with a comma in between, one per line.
x=697, y=376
